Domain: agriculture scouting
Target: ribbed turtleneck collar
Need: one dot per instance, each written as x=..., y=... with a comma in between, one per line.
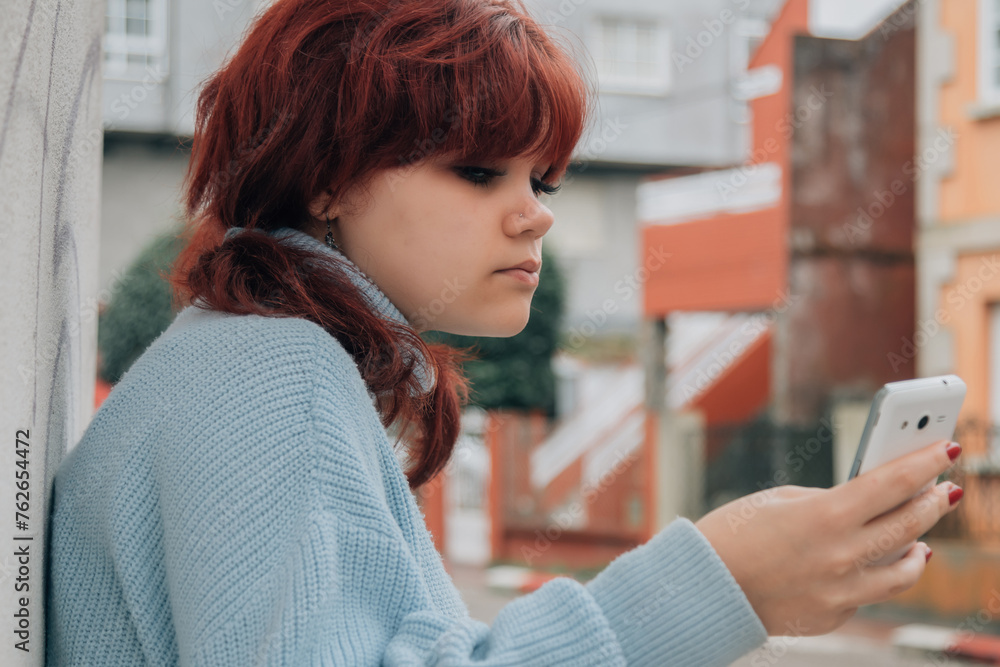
x=376, y=297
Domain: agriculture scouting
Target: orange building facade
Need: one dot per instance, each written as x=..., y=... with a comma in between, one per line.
x=958, y=245
x=816, y=228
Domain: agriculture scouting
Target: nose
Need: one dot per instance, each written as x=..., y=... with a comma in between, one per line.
x=535, y=218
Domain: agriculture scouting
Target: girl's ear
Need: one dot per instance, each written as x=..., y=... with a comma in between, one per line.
x=320, y=207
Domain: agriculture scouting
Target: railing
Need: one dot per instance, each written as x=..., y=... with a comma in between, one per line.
x=748, y=457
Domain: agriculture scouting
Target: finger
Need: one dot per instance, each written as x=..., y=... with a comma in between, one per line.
x=891, y=484
x=888, y=533
x=879, y=584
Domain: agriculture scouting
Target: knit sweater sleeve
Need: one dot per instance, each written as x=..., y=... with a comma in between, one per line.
x=356, y=599
x=361, y=598
x=299, y=559
x=668, y=602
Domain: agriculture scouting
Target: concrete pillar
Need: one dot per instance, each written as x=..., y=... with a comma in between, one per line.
x=849, y=417
x=680, y=467
x=51, y=142
x=674, y=441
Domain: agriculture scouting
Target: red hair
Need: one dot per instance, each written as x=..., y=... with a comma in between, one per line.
x=322, y=95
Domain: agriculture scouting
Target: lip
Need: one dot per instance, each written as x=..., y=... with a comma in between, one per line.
x=529, y=265
x=528, y=277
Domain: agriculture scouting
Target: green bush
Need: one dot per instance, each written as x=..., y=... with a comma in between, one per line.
x=139, y=311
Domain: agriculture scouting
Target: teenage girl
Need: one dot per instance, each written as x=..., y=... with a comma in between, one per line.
x=363, y=171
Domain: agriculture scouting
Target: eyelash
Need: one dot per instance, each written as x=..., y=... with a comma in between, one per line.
x=536, y=185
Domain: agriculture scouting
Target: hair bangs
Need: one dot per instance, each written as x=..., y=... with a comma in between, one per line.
x=505, y=91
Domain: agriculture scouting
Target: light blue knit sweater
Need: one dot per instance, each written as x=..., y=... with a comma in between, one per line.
x=237, y=502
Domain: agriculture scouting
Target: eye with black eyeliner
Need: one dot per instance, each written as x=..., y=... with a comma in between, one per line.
x=545, y=188
x=479, y=175
x=483, y=176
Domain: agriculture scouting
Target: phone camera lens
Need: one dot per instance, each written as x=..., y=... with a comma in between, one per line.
x=923, y=421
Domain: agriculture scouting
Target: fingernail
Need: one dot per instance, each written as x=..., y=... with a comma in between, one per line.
x=955, y=495
x=930, y=552
x=954, y=449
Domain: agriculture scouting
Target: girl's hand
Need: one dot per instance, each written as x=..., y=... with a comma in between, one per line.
x=803, y=556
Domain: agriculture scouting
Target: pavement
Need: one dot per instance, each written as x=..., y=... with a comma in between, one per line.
x=866, y=640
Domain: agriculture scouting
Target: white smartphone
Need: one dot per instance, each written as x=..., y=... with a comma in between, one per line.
x=906, y=416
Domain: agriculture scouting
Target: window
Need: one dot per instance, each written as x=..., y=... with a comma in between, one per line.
x=632, y=55
x=989, y=51
x=135, y=39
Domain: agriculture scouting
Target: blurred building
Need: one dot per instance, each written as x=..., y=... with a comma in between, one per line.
x=958, y=242
x=669, y=77
x=672, y=97
x=810, y=241
x=156, y=53
x=957, y=326
x=778, y=302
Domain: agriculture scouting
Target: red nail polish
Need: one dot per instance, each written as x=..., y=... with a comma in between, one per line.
x=954, y=449
x=955, y=495
x=930, y=552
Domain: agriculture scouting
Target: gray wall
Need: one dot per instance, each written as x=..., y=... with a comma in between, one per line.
x=143, y=116
x=140, y=192
x=161, y=99
x=50, y=151
x=596, y=242
x=698, y=122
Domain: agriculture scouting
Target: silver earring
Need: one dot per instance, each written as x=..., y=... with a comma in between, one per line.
x=522, y=215
x=329, y=235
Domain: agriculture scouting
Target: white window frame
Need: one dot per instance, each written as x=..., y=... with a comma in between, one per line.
x=988, y=53
x=660, y=83
x=118, y=44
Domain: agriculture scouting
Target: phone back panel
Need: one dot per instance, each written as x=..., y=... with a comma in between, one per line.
x=898, y=408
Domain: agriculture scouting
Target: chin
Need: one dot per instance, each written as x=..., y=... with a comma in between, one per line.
x=505, y=328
